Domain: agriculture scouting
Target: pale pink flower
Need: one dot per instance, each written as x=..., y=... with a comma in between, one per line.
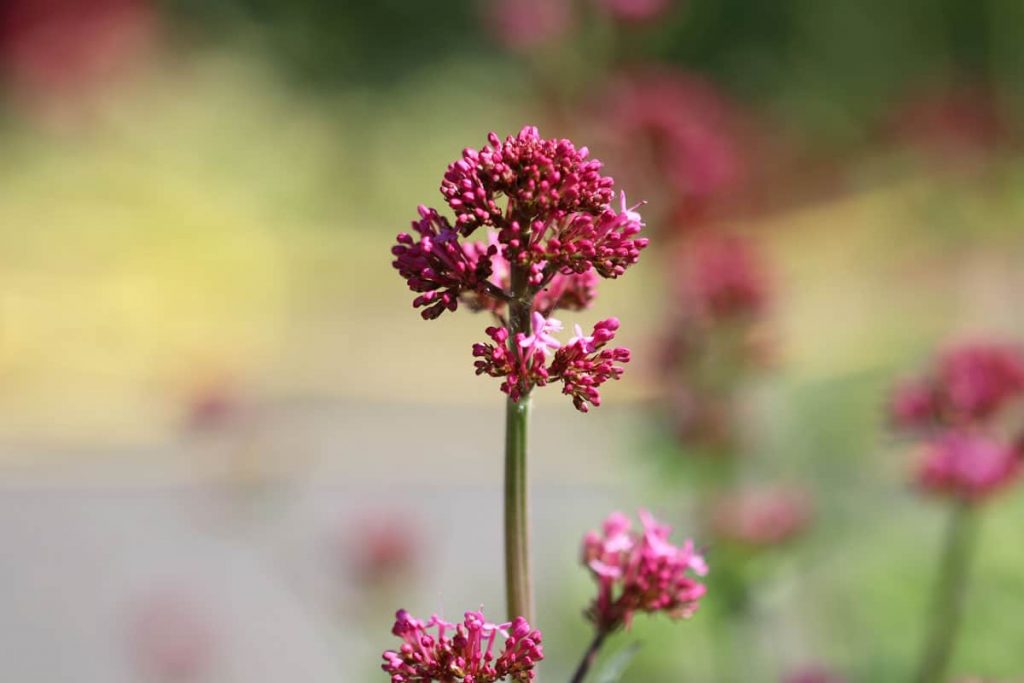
x=541, y=340
x=585, y=342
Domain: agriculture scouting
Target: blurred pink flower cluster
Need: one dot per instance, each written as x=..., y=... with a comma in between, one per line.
x=723, y=279
x=715, y=334
x=679, y=133
x=549, y=215
x=468, y=654
x=814, y=674
x=640, y=572
x=969, y=385
x=760, y=518
x=526, y=25
x=962, y=121
x=968, y=410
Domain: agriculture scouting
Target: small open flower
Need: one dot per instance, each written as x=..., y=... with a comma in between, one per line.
x=640, y=572
x=474, y=651
x=967, y=466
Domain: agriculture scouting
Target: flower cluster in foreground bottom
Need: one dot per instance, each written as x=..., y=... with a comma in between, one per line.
x=641, y=571
x=464, y=652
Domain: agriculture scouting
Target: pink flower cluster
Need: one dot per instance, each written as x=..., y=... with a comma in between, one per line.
x=760, y=517
x=640, y=572
x=582, y=365
x=968, y=408
x=970, y=384
x=681, y=126
x=467, y=654
x=967, y=466
x=551, y=233
x=723, y=279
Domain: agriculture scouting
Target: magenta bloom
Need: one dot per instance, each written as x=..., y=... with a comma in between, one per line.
x=761, y=518
x=549, y=220
x=462, y=652
x=970, y=385
x=640, y=572
x=967, y=466
x=582, y=366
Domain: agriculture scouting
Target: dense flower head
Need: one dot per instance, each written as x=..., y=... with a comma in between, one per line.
x=969, y=385
x=463, y=652
x=640, y=571
x=967, y=466
x=760, y=517
x=551, y=229
x=722, y=278
x=582, y=365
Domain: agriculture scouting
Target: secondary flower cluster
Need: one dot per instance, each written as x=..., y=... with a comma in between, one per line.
x=467, y=654
x=551, y=233
x=582, y=365
x=715, y=336
x=968, y=411
x=640, y=572
x=968, y=466
x=677, y=131
x=969, y=385
x=760, y=518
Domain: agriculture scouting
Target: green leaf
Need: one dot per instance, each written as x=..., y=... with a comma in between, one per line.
x=617, y=665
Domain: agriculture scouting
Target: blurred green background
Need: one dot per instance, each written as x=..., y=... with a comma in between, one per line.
x=211, y=377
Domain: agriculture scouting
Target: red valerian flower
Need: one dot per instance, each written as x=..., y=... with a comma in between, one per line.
x=640, y=572
x=467, y=655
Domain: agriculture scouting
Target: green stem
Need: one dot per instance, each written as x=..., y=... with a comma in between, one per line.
x=950, y=593
x=589, y=657
x=518, y=587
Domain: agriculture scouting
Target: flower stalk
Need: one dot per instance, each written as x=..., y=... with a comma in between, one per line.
x=950, y=594
x=518, y=583
x=590, y=656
